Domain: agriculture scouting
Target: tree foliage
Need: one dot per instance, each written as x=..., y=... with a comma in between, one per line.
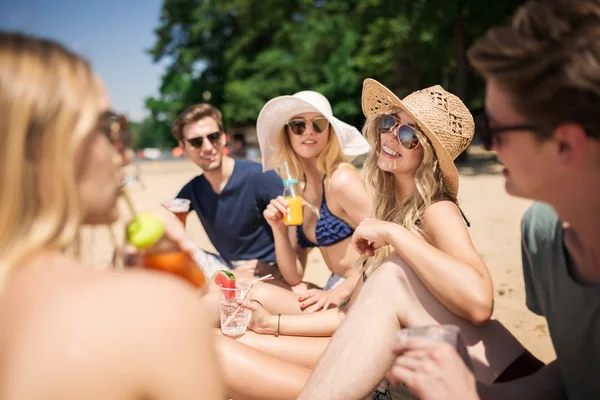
x=238, y=54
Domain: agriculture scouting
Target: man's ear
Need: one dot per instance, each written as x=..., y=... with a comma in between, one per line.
x=571, y=141
x=225, y=138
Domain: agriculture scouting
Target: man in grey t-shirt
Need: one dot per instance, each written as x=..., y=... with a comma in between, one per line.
x=543, y=120
x=570, y=303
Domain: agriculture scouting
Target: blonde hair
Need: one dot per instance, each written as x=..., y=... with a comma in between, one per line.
x=329, y=159
x=408, y=211
x=48, y=107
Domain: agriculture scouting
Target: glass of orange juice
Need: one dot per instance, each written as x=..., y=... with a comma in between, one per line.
x=290, y=194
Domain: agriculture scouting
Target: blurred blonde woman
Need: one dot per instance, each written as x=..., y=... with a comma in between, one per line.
x=302, y=131
x=70, y=331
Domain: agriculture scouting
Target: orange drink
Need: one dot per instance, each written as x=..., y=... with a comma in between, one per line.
x=294, y=216
x=176, y=262
x=157, y=251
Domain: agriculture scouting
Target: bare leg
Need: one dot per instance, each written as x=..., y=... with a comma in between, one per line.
x=275, y=299
x=394, y=297
x=361, y=346
x=250, y=374
x=299, y=288
x=299, y=350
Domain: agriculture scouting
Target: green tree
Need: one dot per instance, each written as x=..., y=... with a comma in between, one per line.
x=238, y=54
x=149, y=133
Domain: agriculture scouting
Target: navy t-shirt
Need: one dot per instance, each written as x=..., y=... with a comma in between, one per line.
x=233, y=219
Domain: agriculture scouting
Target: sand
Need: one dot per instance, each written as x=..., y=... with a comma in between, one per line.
x=495, y=218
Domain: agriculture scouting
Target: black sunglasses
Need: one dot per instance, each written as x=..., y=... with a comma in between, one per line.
x=298, y=125
x=116, y=128
x=406, y=134
x=489, y=135
x=213, y=138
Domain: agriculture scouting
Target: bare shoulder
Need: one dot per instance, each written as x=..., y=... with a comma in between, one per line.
x=441, y=210
x=443, y=223
x=138, y=296
x=98, y=326
x=345, y=177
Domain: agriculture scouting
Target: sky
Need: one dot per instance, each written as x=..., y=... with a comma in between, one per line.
x=113, y=35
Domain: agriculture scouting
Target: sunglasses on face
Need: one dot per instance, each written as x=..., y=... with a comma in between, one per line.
x=490, y=135
x=116, y=128
x=197, y=142
x=298, y=125
x=406, y=134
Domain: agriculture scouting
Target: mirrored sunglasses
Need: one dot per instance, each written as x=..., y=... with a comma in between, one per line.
x=406, y=134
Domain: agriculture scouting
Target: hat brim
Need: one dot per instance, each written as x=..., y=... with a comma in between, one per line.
x=377, y=98
x=278, y=111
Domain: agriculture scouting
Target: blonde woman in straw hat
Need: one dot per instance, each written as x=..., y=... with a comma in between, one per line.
x=434, y=274
x=302, y=132
x=71, y=331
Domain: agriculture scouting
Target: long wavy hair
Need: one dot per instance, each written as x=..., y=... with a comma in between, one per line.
x=407, y=211
x=48, y=107
x=329, y=159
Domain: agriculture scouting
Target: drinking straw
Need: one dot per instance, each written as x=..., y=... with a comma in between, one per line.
x=128, y=200
x=289, y=177
x=232, y=316
x=115, y=243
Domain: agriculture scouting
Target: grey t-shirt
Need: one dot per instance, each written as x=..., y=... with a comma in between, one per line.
x=572, y=309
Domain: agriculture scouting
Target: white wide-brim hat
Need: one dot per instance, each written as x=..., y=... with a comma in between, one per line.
x=278, y=111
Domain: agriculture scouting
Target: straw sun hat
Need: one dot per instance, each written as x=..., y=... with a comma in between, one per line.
x=278, y=111
x=440, y=115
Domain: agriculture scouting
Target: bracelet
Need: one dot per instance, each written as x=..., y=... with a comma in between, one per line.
x=278, y=321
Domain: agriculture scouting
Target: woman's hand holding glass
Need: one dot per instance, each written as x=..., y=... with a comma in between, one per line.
x=261, y=321
x=276, y=211
x=173, y=229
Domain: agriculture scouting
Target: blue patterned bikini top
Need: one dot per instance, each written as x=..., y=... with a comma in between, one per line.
x=329, y=230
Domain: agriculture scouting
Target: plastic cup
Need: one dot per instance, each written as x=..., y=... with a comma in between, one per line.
x=438, y=333
x=237, y=325
x=179, y=207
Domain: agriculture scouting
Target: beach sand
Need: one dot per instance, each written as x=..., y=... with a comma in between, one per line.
x=495, y=219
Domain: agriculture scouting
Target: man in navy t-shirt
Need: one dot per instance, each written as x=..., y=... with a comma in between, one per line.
x=229, y=197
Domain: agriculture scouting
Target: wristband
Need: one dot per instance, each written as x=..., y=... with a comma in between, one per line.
x=278, y=321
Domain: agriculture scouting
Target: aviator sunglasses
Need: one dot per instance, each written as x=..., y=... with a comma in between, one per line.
x=406, y=134
x=298, y=125
x=213, y=138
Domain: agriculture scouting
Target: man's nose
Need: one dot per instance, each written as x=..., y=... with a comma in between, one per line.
x=206, y=144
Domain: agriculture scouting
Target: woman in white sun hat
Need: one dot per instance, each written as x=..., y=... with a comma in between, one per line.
x=300, y=130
